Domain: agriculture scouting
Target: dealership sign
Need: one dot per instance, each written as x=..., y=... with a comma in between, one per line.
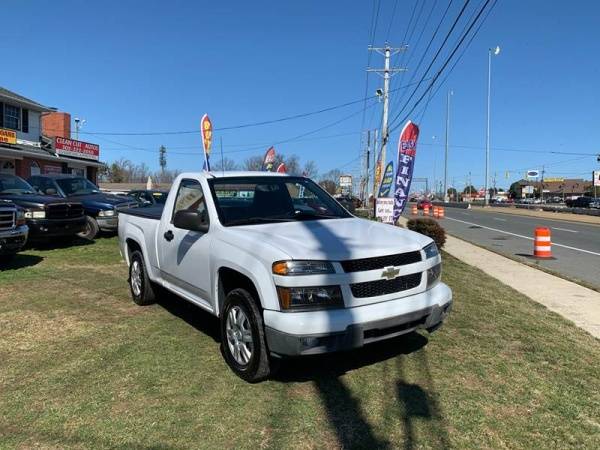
x=533, y=174
x=384, y=209
x=77, y=149
x=596, y=175
x=8, y=136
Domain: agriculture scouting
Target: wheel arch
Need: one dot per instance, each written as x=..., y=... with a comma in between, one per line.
x=229, y=279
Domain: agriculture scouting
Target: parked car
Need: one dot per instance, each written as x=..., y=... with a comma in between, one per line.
x=46, y=216
x=101, y=209
x=579, y=202
x=286, y=270
x=423, y=203
x=13, y=230
x=149, y=197
x=595, y=203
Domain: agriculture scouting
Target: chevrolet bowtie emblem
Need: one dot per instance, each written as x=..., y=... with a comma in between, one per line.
x=390, y=273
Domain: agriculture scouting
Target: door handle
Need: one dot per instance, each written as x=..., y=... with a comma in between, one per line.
x=169, y=235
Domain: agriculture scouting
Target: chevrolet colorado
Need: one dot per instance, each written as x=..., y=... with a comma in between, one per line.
x=286, y=269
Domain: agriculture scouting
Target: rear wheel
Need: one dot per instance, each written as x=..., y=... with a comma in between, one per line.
x=142, y=289
x=91, y=229
x=243, y=342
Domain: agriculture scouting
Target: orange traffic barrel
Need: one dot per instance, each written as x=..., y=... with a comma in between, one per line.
x=440, y=212
x=413, y=210
x=436, y=211
x=542, y=245
x=425, y=210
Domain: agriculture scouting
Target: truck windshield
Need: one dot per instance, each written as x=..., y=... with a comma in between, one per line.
x=11, y=184
x=77, y=186
x=252, y=200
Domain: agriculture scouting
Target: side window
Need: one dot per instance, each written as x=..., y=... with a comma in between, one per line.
x=189, y=197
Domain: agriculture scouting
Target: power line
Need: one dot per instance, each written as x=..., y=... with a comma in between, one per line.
x=424, y=54
x=441, y=69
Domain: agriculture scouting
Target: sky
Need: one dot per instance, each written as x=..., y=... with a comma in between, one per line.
x=156, y=66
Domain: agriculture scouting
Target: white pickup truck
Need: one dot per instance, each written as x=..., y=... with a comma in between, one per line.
x=286, y=269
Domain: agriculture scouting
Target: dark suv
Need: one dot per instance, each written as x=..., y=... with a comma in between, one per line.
x=45, y=216
x=101, y=210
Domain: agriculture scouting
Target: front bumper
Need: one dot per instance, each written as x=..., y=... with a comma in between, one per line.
x=344, y=329
x=43, y=228
x=11, y=241
x=108, y=223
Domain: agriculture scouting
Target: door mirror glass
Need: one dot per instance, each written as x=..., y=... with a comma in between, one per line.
x=191, y=220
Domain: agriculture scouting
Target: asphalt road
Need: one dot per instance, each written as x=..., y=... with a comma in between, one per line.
x=575, y=246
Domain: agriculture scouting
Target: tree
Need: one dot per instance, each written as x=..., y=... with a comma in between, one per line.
x=310, y=169
x=515, y=189
x=470, y=190
x=329, y=185
x=162, y=158
x=452, y=194
x=225, y=164
x=254, y=163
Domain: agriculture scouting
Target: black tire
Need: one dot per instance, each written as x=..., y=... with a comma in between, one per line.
x=91, y=229
x=259, y=365
x=144, y=292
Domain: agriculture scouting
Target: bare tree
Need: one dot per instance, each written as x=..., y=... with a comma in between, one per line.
x=310, y=169
x=253, y=163
x=225, y=164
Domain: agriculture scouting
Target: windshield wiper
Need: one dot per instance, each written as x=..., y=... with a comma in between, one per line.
x=252, y=220
x=300, y=215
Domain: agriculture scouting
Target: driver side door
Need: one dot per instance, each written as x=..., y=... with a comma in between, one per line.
x=184, y=254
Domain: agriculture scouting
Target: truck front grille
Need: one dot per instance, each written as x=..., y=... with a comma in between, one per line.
x=380, y=262
x=384, y=287
x=64, y=211
x=7, y=219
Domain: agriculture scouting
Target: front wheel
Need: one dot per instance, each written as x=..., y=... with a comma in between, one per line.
x=243, y=342
x=91, y=229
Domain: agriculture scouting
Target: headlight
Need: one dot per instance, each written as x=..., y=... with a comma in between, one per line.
x=431, y=251
x=302, y=267
x=298, y=298
x=29, y=214
x=106, y=213
x=433, y=275
x=20, y=217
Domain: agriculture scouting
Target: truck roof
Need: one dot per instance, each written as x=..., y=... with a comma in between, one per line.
x=233, y=173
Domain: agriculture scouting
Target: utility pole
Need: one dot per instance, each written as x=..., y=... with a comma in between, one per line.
x=387, y=52
x=447, y=144
x=368, y=160
x=542, y=187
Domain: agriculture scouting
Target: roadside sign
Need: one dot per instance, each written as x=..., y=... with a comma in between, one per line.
x=384, y=209
x=532, y=174
x=596, y=176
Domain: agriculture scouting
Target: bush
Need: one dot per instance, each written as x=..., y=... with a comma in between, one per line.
x=428, y=227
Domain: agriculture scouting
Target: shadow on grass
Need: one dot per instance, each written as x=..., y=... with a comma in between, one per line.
x=344, y=410
x=57, y=243
x=191, y=314
x=20, y=261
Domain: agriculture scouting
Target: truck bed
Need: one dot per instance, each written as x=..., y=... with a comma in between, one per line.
x=148, y=212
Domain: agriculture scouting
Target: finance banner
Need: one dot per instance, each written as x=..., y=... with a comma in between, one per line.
x=407, y=151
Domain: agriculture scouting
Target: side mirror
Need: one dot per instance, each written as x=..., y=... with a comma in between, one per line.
x=191, y=220
x=50, y=191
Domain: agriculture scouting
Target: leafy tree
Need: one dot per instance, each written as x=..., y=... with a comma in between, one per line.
x=470, y=190
x=452, y=194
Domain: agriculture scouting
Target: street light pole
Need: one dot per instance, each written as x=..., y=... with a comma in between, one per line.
x=487, y=131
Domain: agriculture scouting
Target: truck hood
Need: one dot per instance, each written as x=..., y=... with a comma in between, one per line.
x=334, y=239
x=101, y=201
x=31, y=199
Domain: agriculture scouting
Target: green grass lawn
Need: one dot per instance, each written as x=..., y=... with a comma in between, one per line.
x=82, y=367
